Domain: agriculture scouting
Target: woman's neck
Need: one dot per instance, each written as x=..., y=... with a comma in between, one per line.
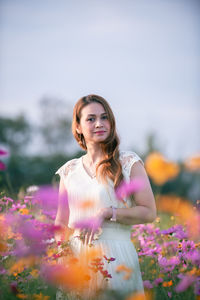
x=94, y=154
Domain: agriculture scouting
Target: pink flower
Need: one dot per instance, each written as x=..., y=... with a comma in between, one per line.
x=89, y=224
x=3, y=152
x=147, y=284
x=185, y=283
x=128, y=188
x=168, y=264
x=47, y=198
x=169, y=294
x=109, y=259
x=2, y=166
x=157, y=281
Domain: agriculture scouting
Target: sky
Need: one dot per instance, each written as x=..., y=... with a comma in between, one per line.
x=142, y=56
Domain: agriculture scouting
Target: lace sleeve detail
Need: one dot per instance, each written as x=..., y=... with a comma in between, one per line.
x=128, y=158
x=66, y=168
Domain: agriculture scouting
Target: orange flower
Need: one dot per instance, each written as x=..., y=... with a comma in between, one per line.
x=74, y=273
x=159, y=169
x=3, y=234
x=193, y=163
x=40, y=296
x=125, y=269
x=22, y=296
x=141, y=296
x=19, y=266
x=24, y=211
x=34, y=273
x=167, y=283
x=87, y=204
x=182, y=209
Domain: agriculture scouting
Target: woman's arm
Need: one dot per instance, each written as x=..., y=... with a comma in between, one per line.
x=62, y=216
x=145, y=209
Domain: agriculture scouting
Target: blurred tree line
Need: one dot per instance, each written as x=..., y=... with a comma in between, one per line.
x=36, y=151
x=52, y=139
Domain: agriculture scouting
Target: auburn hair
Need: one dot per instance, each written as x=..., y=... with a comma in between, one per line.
x=110, y=164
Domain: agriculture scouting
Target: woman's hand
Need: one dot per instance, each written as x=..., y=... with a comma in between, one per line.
x=91, y=228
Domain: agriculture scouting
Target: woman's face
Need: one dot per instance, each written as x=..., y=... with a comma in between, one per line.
x=94, y=123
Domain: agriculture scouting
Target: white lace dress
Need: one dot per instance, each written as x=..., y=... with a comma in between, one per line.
x=115, y=238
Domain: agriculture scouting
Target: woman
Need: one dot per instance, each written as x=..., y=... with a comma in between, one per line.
x=94, y=177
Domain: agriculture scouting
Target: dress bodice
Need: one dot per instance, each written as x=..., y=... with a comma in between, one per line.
x=86, y=195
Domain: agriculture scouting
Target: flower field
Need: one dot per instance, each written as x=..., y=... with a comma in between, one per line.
x=168, y=249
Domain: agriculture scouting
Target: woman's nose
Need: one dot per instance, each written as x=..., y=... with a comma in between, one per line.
x=98, y=123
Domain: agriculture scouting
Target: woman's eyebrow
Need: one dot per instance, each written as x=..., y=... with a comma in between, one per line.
x=95, y=115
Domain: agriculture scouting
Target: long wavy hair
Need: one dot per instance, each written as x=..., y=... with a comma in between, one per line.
x=110, y=164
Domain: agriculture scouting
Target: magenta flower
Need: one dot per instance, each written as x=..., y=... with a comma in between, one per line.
x=147, y=284
x=2, y=166
x=34, y=235
x=128, y=188
x=47, y=199
x=109, y=259
x=169, y=294
x=168, y=264
x=185, y=283
x=157, y=281
x=188, y=246
x=176, y=231
x=3, y=152
x=193, y=256
x=92, y=224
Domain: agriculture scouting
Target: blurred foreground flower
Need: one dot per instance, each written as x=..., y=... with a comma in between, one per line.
x=3, y=235
x=127, y=271
x=2, y=165
x=92, y=224
x=182, y=209
x=140, y=296
x=193, y=163
x=74, y=273
x=129, y=188
x=160, y=169
x=46, y=197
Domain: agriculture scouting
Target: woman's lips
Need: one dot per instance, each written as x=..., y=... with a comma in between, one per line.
x=100, y=132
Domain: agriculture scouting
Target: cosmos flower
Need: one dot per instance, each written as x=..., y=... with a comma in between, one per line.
x=185, y=282
x=160, y=169
x=46, y=197
x=193, y=163
x=128, y=188
x=147, y=284
x=2, y=166
x=169, y=264
x=126, y=270
x=157, y=281
x=92, y=224
x=3, y=152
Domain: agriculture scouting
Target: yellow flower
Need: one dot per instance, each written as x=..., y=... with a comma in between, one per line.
x=160, y=169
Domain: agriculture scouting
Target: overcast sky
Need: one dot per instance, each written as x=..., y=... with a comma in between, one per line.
x=143, y=56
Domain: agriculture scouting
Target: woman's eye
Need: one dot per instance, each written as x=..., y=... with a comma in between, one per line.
x=105, y=117
x=91, y=119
